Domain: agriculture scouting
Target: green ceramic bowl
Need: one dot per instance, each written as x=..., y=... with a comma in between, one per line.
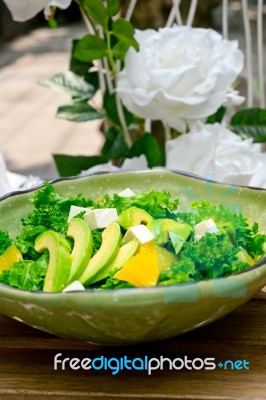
x=136, y=315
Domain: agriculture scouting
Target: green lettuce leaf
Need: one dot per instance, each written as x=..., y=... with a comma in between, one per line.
x=28, y=274
x=5, y=242
x=235, y=225
x=155, y=203
x=179, y=272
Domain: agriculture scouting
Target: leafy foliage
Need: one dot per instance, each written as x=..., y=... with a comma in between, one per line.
x=212, y=256
x=114, y=146
x=155, y=203
x=78, y=112
x=82, y=68
x=51, y=210
x=217, y=117
x=96, y=10
x=109, y=42
x=70, y=83
x=235, y=225
x=5, y=242
x=113, y=149
x=178, y=273
x=68, y=165
x=110, y=107
x=26, y=239
x=97, y=239
x=90, y=48
x=48, y=195
x=148, y=146
x=113, y=7
x=250, y=123
x=27, y=275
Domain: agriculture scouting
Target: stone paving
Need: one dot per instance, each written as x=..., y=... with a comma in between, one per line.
x=29, y=132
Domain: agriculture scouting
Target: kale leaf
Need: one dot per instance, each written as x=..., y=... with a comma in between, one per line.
x=28, y=274
x=52, y=209
x=155, y=203
x=5, y=242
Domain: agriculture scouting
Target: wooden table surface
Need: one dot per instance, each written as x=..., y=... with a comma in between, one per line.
x=27, y=356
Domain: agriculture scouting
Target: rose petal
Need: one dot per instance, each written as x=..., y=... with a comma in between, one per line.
x=180, y=74
x=213, y=150
x=22, y=10
x=135, y=163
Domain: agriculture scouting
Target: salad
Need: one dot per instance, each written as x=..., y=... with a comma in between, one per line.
x=125, y=240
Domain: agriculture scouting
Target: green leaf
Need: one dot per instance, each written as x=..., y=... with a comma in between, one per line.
x=96, y=10
x=5, y=242
x=148, y=146
x=113, y=7
x=111, y=110
x=114, y=146
x=69, y=82
x=73, y=165
x=53, y=23
x=90, y=48
x=257, y=133
x=27, y=274
x=78, y=112
x=250, y=123
x=217, y=117
x=124, y=31
x=81, y=68
x=119, y=51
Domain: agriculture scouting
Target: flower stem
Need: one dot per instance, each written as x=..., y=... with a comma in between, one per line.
x=110, y=54
x=86, y=15
x=167, y=132
x=122, y=119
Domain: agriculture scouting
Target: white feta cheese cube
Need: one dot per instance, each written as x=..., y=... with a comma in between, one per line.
x=126, y=193
x=141, y=232
x=74, y=287
x=204, y=227
x=100, y=218
x=75, y=210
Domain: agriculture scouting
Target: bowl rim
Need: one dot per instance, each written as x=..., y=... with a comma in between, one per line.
x=150, y=171
x=257, y=265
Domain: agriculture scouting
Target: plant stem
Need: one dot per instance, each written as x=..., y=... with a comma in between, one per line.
x=86, y=15
x=167, y=132
x=147, y=125
x=120, y=110
x=122, y=119
x=110, y=54
x=109, y=75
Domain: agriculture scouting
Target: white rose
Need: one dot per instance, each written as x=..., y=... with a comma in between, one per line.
x=181, y=74
x=22, y=10
x=217, y=153
x=133, y=164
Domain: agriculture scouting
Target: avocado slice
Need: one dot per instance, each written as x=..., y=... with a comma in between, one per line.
x=165, y=258
x=80, y=232
x=111, y=239
x=165, y=229
x=124, y=253
x=134, y=216
x=59, y=260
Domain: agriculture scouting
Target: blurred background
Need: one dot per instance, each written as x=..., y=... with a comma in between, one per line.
x=30, y=51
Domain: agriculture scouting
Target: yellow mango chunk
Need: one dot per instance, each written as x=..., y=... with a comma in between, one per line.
x=244, y=256
x=141, y=269
x=9, y=257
